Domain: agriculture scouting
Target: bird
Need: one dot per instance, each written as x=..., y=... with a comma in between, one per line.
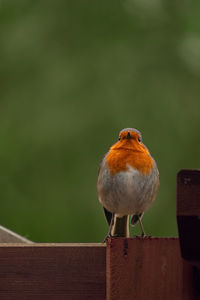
x=127, y=183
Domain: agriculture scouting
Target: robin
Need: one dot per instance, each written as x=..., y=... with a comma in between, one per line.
x=127, y=184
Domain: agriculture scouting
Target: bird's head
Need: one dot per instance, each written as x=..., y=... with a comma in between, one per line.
x=130, y=138
x=130, y=134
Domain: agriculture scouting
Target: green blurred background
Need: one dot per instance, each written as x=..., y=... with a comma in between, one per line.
x=73, y=74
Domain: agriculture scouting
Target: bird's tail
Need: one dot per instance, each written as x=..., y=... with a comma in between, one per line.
x=120, y=226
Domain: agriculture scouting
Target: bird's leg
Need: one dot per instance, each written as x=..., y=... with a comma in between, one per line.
x=111, y=225
x=110, y=228
x=143, y=233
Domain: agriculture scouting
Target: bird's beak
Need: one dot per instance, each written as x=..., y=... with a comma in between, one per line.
x=128, y=135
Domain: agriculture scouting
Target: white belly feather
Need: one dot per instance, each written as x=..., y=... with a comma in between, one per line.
x=127, y=192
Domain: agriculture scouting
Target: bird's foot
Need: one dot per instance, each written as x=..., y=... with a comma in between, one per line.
x=110, y=236
x=143, y=235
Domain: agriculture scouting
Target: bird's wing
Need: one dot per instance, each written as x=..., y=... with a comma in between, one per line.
x=108, y=215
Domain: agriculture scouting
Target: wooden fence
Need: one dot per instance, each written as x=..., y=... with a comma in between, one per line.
x=134, y=268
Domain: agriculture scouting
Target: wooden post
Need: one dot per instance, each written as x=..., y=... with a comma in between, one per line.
x=147, y=269
x=188, y=219
x=188, y=213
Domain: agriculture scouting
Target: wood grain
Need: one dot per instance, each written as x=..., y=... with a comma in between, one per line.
x=149, y=268
x=52, y=271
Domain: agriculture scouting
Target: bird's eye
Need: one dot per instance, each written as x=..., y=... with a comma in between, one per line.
x=139, y=139
x=119, y=138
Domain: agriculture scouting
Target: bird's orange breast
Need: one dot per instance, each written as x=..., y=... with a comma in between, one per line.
x=118, y=160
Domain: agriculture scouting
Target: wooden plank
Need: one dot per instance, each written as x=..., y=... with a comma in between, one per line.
x=149, y=268
x=188, y=214
x=8, y=236
x=52, y=271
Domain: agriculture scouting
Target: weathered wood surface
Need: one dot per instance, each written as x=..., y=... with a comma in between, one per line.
x=136, y=268
x=52, y=271
x=147, y=269
x=8, y=236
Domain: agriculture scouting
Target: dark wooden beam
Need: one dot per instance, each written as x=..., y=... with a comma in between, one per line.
x=188, y=214
x=188, y=219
